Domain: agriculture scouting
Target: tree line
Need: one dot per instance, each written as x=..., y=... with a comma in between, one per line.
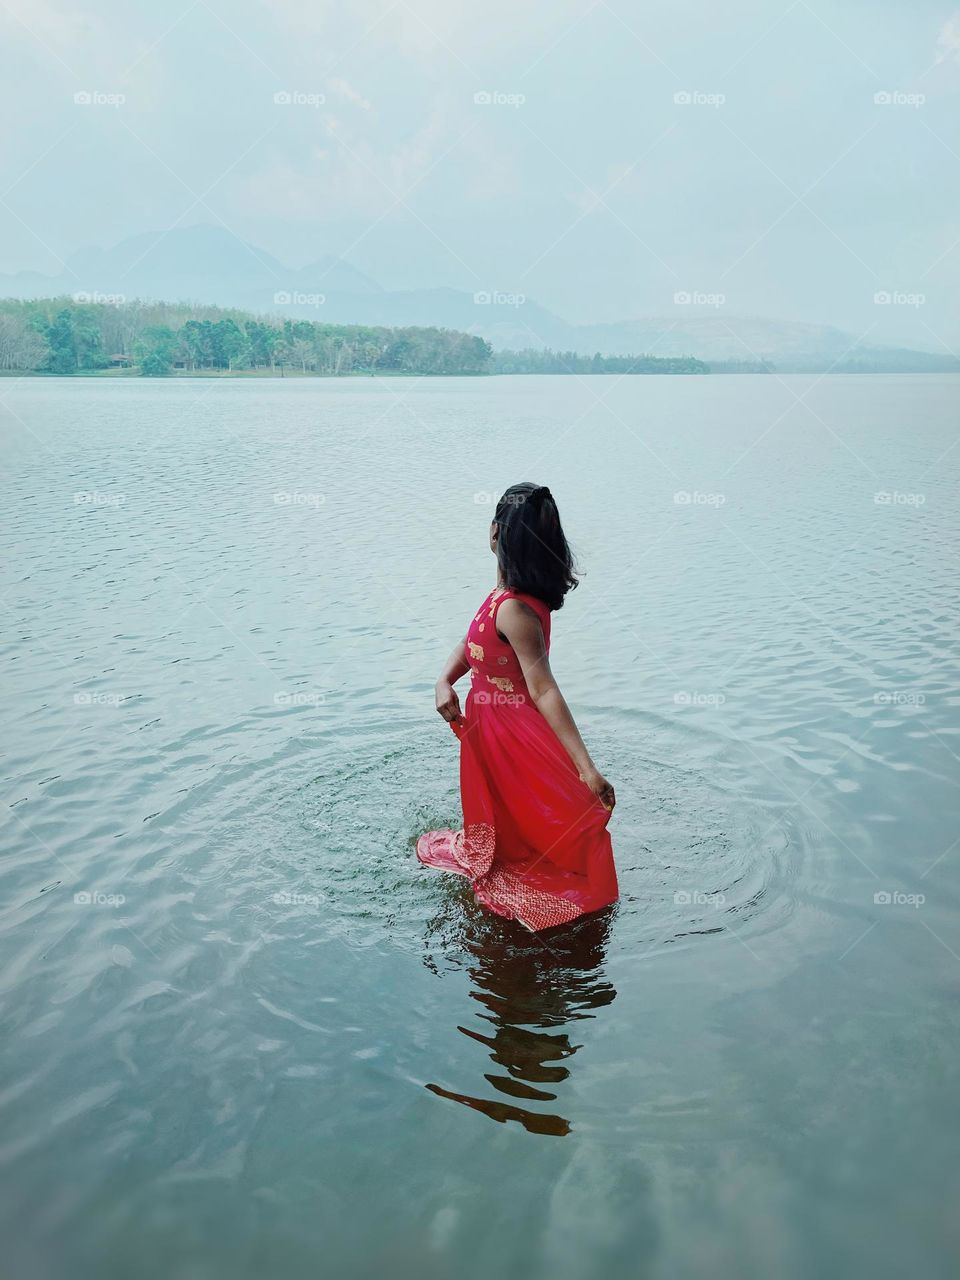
x=536, y=361
x=68, y=336
x=65, y=336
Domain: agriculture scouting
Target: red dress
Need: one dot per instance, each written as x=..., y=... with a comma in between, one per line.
x=534, y=842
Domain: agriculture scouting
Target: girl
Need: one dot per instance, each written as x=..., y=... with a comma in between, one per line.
x=534, y=842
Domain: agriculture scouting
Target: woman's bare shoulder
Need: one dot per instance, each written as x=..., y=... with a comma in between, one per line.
x=516, y=617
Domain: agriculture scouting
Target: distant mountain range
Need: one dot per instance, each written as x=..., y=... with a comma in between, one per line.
x=207, y=264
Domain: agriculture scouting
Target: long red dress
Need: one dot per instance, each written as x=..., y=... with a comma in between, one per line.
x=534, y=842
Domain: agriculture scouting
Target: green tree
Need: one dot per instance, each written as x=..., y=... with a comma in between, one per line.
x=61, y=341
x=229, y=343
x=155, y=351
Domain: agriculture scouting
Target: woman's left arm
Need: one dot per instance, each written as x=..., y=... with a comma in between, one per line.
x=521, y=626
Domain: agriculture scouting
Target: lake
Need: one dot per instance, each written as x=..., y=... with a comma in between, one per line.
x=247, y=1034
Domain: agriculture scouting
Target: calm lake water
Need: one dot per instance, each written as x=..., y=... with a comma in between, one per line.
x=246, y=1034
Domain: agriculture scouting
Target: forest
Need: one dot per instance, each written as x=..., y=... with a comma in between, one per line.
x=65, y=336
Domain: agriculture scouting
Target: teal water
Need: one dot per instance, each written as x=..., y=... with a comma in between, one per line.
x=291, y=1051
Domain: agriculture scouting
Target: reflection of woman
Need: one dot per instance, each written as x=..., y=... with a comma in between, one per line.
x=534, y=841
x=530, y=994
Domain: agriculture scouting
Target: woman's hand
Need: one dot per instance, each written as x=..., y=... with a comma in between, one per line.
x=448, y=704
x=600, y=787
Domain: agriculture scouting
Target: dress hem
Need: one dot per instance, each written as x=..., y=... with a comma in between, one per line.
x=469, y=853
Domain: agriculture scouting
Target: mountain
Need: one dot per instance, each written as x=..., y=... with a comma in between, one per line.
x=788, y=345
x=511, y=327
x=208, y=264
x=195, y=264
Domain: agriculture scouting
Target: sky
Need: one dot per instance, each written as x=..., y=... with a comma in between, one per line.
x=795, y=159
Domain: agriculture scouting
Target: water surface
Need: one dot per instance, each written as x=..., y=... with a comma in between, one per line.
x=245, y=1032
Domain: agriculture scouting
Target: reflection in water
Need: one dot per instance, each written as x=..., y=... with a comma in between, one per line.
x=531, y=987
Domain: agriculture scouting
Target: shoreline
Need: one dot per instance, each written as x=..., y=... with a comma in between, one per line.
x=127, y=375
x=186, y=374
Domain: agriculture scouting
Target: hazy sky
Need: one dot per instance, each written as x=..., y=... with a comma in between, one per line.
x=782, y=184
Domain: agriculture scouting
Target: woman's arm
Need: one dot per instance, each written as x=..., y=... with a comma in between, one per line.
x=448, y=704
x=522, y=628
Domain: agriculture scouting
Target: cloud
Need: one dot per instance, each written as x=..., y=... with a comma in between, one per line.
x=353, y=172
x=45, y=24
x=444, y=32
x=346, y=90
x=948, y=42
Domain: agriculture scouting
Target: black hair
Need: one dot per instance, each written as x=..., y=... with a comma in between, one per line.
x=532, y=551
